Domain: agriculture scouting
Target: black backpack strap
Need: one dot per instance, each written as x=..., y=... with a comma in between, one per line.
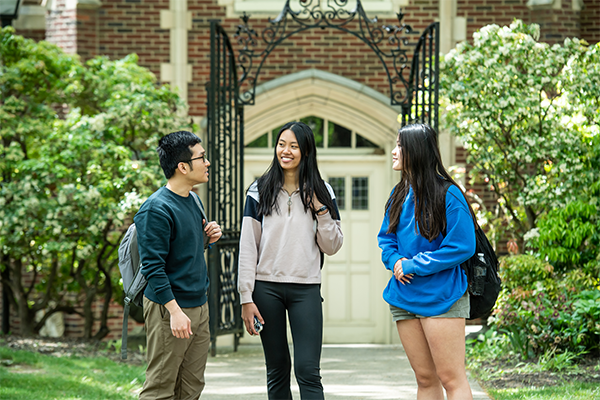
x=204, y=217
x=199, y=204
x=125, y=325
x=447, y=185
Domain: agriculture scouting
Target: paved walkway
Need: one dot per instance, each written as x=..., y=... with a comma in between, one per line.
x=349, y=372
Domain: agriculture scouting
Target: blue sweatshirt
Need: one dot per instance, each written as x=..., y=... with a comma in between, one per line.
x=438, y=280
x=171, y=245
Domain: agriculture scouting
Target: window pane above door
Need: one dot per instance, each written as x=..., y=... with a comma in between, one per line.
x=364, y=142
x=338, y=136
x=262, y=141
x=316, y=125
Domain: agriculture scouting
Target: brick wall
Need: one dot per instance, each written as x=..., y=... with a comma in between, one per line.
x=133, y=26
x=483, y=12
x=555, y=25
x=121, y=27
x=74, y=323
x=87, y=33
x=590, y=21
x=35, y=34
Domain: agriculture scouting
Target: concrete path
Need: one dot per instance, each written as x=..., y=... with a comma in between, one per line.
x=349, y=372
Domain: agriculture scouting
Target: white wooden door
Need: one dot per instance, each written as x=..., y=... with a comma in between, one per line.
x=354, y=278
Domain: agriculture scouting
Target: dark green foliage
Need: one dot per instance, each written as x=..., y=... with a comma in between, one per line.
x=541, y=310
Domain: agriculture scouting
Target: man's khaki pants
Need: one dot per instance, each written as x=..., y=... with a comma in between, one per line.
x=175, y=366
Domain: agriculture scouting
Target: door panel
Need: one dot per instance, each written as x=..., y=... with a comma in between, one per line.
x=354, y=278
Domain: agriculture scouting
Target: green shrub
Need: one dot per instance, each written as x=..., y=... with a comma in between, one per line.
x=569, y=236
x=524, y=271
x=587, y=317
x=542, y=311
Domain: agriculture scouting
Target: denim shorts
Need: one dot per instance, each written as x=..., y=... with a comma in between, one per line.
x=460, y=309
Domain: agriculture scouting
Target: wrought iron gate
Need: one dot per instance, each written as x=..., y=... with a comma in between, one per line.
x=225, y=149
x=423, y=84
x=416, y=93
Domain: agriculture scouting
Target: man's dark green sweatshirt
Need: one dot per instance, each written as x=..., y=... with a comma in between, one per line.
x=170, y=241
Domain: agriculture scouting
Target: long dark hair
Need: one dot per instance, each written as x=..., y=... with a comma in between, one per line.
x=422, y=169
x=309, y=177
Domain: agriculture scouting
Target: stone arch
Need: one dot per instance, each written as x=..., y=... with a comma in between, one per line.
x=325, y=95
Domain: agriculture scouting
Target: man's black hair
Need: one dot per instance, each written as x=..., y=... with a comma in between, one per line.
x=174, y=148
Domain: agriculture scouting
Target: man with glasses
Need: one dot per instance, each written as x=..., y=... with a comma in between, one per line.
x=171, y=228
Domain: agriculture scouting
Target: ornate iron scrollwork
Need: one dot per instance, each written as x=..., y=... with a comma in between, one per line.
x=315, y=14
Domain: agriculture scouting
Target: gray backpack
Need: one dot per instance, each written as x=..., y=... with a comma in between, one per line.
x=134, y=282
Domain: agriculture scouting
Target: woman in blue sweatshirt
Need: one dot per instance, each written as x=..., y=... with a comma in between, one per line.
x=427, y=232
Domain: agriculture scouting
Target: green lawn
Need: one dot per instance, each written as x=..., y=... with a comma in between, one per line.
x=27, y=376
x=574, y=391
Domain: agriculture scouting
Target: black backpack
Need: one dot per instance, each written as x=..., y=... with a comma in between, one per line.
x=482, y=272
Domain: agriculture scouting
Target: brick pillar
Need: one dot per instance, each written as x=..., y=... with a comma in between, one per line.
x=590, y=21
x=61, y=26
x=73, y=26
x=87, y=31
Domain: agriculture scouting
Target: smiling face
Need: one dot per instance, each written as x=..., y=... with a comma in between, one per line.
x=397, y=156
x=288, y=151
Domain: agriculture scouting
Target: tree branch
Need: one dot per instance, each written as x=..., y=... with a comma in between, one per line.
x=49, y=286
x=61, y=308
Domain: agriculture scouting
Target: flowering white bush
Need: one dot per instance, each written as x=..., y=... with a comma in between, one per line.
x=69, y=184
x=528, y=114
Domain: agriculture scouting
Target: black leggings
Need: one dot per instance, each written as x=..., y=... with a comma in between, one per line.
x=303, y=305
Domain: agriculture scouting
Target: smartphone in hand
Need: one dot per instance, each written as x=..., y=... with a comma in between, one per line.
x=257, y=325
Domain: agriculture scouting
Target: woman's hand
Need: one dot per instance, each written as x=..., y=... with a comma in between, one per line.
x=317, y=205
x=249, y=311
x=399, y=274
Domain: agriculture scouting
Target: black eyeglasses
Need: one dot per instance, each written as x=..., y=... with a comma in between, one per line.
x=202, y=157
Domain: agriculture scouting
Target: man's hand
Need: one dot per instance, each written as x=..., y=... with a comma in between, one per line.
x=181, y=325
x=249, y=310
x=399, y=274
x=213, y=231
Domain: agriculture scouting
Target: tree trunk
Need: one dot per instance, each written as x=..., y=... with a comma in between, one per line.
x=104, y=330
x=7, y=295
x=26, y=316
x=88, y=314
